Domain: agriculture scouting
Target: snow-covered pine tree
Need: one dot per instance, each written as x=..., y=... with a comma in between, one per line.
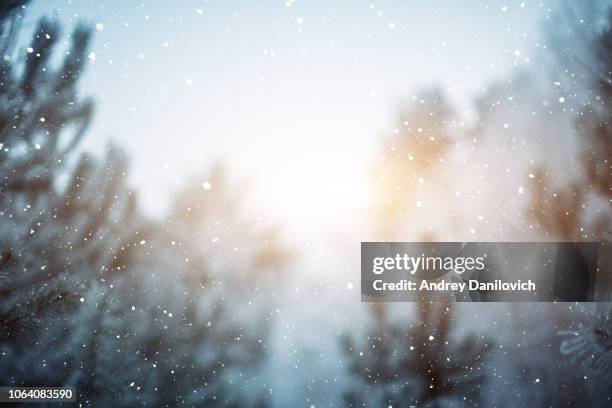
x=65, y=226
x=589, y=344
x=41, y=121
x=580, y=210
x=162, y=313
x=192, y=315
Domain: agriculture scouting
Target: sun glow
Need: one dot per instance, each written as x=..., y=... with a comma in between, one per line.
x=307, y=187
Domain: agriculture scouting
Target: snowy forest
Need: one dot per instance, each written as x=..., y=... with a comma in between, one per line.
x=209, y=303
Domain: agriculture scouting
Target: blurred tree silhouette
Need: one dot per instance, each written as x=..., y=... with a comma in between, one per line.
x=423, y=363
x=563, y=208
x=580, y=210
x=417, y=364
x=156, y=316
x=419, y=143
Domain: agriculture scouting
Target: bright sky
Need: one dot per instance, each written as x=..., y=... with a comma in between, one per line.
x=293, y=96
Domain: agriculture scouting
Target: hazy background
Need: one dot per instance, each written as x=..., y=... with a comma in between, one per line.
x=317, y=109
x=292, y=95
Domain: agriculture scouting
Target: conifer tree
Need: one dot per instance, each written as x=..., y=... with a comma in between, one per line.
x=424, y=362
x=580, y=210
x=418, y=145
x=93, y=293
x=418, y=363
x=42, y=119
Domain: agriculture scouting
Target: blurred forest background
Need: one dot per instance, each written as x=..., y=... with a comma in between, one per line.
x=208, y=305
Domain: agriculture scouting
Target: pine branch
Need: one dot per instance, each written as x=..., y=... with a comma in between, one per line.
x=23, y=318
